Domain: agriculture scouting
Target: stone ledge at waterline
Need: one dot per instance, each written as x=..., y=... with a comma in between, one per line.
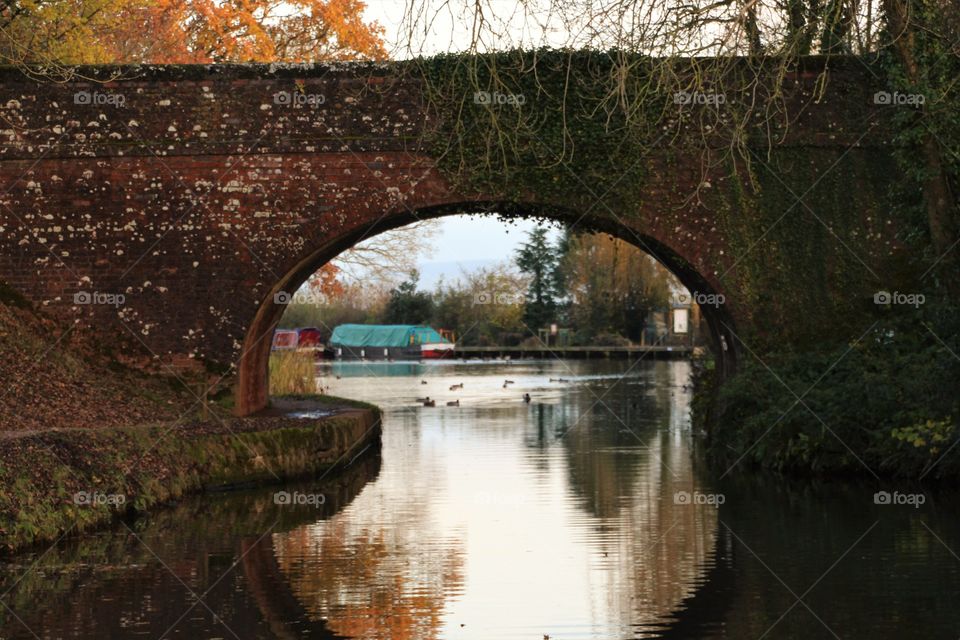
x=62, y=482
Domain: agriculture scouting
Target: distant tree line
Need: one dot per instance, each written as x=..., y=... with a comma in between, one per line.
x=601, y=288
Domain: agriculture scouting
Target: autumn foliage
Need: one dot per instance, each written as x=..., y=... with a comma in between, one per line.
x=64, y=32
x=326, y=283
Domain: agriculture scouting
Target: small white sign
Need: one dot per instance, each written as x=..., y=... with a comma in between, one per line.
x=681, y=320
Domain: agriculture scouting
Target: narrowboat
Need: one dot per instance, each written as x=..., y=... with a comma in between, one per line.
x=389, y=342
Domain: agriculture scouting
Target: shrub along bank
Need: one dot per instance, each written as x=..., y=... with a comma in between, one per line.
x=884, y=404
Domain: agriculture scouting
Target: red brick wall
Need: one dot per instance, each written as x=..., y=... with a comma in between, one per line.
x=196, y=196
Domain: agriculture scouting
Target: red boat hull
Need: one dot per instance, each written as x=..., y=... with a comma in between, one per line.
x=436, y=354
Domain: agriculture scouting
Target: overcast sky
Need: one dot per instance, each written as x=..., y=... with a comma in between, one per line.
x=466, y=242
x=442, y=25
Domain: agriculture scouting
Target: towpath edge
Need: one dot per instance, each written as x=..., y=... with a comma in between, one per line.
x=63, y=482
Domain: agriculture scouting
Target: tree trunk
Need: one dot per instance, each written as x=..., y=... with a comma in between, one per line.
x=752, y=28
x=938, y=198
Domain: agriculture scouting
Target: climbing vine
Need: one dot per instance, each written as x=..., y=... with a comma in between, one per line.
x=812, y=231
x=618, y=136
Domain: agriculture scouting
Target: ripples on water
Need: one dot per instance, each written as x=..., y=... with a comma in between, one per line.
x=565, y=517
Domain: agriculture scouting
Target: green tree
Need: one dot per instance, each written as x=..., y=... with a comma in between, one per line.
x=408, y=305
x=538, y=259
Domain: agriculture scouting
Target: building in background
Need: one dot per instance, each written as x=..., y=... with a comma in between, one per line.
x=681, y=324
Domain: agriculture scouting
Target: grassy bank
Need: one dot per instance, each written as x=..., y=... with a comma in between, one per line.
x=90, y=433
x=64, y=482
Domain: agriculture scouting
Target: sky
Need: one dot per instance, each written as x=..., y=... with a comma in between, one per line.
x=450, y=26
x=468, y=243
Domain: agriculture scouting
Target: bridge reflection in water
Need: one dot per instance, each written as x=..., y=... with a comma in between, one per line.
x=500, y=519
x=484, y=521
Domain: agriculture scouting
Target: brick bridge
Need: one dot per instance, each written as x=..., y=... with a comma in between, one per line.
x=198, y=194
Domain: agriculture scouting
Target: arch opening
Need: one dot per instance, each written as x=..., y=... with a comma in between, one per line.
x=252, y=390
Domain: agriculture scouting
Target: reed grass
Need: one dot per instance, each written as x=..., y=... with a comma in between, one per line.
x=292, y=372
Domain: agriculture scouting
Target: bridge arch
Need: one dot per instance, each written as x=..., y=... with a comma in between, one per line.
x=252, y=390
x=203, y=195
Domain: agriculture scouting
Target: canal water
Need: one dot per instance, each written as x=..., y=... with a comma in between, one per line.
x=585, y=513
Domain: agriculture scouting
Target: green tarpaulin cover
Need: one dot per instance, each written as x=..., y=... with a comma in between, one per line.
x=383, y=335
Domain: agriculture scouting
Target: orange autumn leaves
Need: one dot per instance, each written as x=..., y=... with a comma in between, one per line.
x=326, y=283
x=186, y=31
x=272, y=31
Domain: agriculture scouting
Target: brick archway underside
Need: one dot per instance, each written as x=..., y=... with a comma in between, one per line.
x=253, y=387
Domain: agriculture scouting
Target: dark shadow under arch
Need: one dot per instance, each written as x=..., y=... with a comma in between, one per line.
x=252, y=385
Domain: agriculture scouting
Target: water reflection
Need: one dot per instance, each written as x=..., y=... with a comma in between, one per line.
x=204, y=569
x=500, y=519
